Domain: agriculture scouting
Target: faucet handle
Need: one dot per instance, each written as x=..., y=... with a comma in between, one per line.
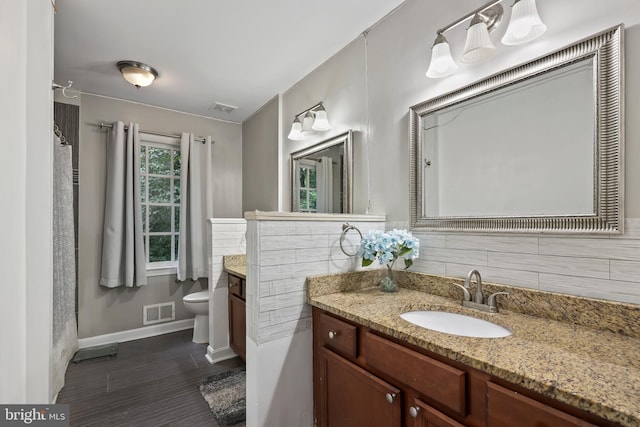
x=491, y=302
x=466, y=295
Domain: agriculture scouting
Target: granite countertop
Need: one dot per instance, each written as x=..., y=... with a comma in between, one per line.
x=593, y=369
x=236, y=265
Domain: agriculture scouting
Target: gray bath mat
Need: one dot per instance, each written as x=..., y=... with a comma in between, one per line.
x=226, y=393
x=96, y=351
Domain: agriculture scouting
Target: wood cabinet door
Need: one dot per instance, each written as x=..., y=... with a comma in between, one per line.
x=423, y=415
x=237, y=326
x=507, y=408
x=351, y=396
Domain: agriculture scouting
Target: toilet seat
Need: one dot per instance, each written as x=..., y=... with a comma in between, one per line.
x=201, y=296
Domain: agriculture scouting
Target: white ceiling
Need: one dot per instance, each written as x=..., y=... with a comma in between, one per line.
x=236, y=52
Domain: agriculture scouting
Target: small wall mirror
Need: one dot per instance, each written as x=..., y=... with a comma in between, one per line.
x=538, y=148
x=321, y=176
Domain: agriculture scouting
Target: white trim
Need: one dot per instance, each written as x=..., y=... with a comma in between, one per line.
x=215, y=356
x=161, y=271
x=227, y=220
x=301, y=216
x=136, y=334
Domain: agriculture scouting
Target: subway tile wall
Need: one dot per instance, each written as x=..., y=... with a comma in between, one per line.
x=281, y=254
x=228, y=238
x=606, y=267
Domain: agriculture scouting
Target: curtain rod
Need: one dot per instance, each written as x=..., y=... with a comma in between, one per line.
x=103, y=125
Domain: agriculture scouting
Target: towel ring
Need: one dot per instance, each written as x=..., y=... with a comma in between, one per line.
x=345, y=229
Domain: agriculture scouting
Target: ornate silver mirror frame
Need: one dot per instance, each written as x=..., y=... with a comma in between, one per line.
x=605, y=51
x=340, y=149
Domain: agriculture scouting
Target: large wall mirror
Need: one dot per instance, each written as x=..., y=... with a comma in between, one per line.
x=538, y=148
x=321, y=176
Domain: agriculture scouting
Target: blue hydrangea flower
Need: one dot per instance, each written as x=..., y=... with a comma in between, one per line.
x=388, y=247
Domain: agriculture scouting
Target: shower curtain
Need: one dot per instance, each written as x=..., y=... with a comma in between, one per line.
x=65, y=336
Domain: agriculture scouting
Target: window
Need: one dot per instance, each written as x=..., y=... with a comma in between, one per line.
x=160, y=191
x=307, y=197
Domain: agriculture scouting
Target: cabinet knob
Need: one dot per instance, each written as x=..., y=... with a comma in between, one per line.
x=231, y=285
x=414, y=411
x=390, y=397
x=332, y=334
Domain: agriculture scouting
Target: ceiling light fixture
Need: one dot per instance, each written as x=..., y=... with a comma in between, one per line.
x=137, y=73
x=308, y=122
x=525, y=25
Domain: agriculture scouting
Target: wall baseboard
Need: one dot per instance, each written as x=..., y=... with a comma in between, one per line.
x=220, y=354
x=136, y=334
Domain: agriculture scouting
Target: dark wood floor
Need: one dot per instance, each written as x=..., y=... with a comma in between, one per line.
x=151, y=382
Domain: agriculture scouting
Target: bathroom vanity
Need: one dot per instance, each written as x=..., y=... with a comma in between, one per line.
x=237, y=315
x=373, y=368
x=237, y=290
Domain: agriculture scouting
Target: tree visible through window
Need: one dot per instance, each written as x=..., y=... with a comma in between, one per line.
x=308, y=194
x=160, y=190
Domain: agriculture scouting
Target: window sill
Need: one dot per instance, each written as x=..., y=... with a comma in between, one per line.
x=161, y=271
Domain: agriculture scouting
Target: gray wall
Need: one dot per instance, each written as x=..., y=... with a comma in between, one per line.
x=103, y=310
x=370, y=85
x=397, y=56
x=340, y=83
x=260, y=159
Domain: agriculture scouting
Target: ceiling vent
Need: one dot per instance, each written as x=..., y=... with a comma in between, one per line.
x=217, y=106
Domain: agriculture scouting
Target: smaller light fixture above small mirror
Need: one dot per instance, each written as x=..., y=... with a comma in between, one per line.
x=137, y=73
x=309, y=122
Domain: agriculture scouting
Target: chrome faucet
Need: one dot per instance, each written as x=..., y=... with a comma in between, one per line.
x=478, y=297
x=477, y=301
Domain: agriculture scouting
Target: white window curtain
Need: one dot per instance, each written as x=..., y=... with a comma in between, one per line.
x=324, y=184
x=123, y=256
x=196, y=207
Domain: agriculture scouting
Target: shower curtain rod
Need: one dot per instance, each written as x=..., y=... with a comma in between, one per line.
x=103, y=125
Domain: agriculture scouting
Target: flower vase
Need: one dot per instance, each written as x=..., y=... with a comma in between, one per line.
x=388, y=283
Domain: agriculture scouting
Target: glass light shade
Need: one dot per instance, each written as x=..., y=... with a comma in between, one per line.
x=296, y=131
x=442, y=63
x=525, y=23
x=307, y=124
x=137, y=73
x=478, y=45
x=321, y=123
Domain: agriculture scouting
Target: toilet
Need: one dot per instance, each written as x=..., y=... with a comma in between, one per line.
x=198, y=304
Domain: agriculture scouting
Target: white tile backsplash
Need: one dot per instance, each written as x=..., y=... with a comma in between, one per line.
x=582, y=267
x=289, y=252
x=598, y=266
x=523, y=245
x=625, y=270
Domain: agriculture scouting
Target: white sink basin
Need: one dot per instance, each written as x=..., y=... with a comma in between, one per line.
x=455, y=324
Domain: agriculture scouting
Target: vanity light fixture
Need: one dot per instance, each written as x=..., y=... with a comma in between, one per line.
x=309, y=122
x=296, y=130
x=442, y=64
x=478, y=45
x=524, y=25
x=137, y=73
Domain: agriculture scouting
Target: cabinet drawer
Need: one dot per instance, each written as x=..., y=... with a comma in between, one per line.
x=435, y=380
x=424, y=415
x=338, y=335
x=506, y=408
x=235, y=285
